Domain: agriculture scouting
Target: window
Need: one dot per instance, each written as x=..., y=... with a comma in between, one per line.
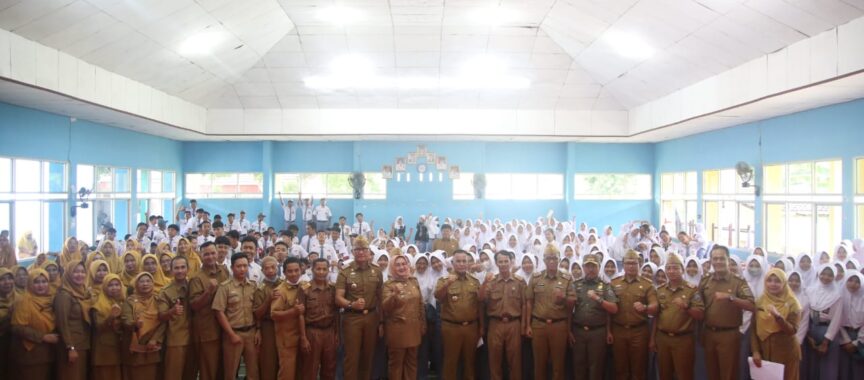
x=803, y=211
x=859, y=197
x=109, y=202
x=224, y=185
x=678, y=202
x=613, y=186
x=521, y=186
x=33, y=200
x=156, y=191
x=376, y=186
x=729, y=209
x=318, y=185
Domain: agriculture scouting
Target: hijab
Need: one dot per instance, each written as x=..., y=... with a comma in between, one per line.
x=104, y=303
x=520, y=272
x=7, y=257
x=78, y=292
x=128, y=278
x=144, y=306
x=195, y=263
x=693, y=280
x=66, y=255
x=159, y=279
x=808, y=277
x=91, y=275
x=756, y=282
x=26, y=243
x=823, y=296
x=785, y=303
x=34, y=311
x=7, y=301
x=603, y=270
x=57, y=282
x=435, y=275
x=853, y=303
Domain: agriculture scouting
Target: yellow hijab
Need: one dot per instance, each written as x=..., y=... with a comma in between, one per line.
x=159, y=280
x=192, y=257
x=19, y=291
x=115, y=265
x=785, y=303
x=7, y=257
x=92, y=268
x=127, y=277
x=67, y=256
x=144, y=309
x=41, y=260
x=57, y=282
x=7, y=300
x=104, y=303
x=34, y=311
x=27, y=244
x=79, y=292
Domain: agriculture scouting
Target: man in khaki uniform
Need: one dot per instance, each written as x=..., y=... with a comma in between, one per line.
x=358, y=291
x=594, y=301
x=726, y=295
x=233, y=306
x=173, y=305
x=205, y=328
x=287, y=311
x=322, y=339
x=672, y=338
x=546, y=302
x=461, y=317
x=504, y=295
x=268, y=359
x=446, y=243
x=637, y=299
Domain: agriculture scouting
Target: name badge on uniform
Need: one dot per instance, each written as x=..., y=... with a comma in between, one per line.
x=354, y=286
x=455, y=298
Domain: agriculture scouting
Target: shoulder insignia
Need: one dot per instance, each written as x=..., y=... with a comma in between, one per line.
x=373, y=264
x=564, y=275
x=689, y=285
x=536, y=274
x=515, y=276
x=305, y=285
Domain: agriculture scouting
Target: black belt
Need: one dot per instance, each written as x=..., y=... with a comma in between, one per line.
x=674, y=333
x=548, y=321
x=243, y=329
x=633, y=326
x=505, y=319
x=463, y=323
x=588, y=328
x=717, y=328
x=364, y=311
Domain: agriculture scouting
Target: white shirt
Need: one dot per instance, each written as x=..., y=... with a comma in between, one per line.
x=290, y=213
x=156, y=235
x=338, y=245
x=191, y=225
x=143, y=241
x=361, y=229
x=297, y=251
x=203, y=239
x=233, y=226
x=322, y=213
x=171, y=242
x=310, y=244
x=254, y=273
x=245, y=226
x=308, y=214
x=259, y=227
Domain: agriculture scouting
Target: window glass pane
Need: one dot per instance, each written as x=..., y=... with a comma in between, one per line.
x=800, y=232
x=287, y=184
x=611, y=186
x=103, y=214
x=168, y=210
x=728, y=181
x=859, y=177
x=198, y=183
x=376, y=186
x=53, y=216
x=711, y=182
x=550, y=186
x=27, y=177
x=691, y=216
x=104, y=179
x=338, y=185
x=829, y=177
x=690, y=183
x=462, y=187
x=314, y=184
x=775, y=228
x=801, y=178
x=84, y=177
x=728, y=225
x=667, y=184
x=829, y=227
x=775, y=179
x=155, y=181
x=859, y=210
x=121, y=180
x=54, y=177
x=27, y=221
x=746, y=220
x=711, y=216
x=6, y=221
x=143, y=179
x=224, y=183
x=5, y=175
x=250, y=183
x=84, y=222
x=121, y=217
x=168, y=182
x=523, y=186
x=497, y=186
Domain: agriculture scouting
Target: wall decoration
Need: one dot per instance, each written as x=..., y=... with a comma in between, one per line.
x=441, y=163
x=454, y=172
x=400, y=164
x=387, y=172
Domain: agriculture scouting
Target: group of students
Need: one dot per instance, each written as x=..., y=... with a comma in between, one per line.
x=488, y=300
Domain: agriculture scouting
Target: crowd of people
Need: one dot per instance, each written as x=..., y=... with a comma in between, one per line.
x=448, y=297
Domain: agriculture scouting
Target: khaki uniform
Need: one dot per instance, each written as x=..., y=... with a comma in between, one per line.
x=630, y=328
x=589, y=328
x=235, y=299
x=549, y=321
x=139, y=366
x=721, y=337
x=74, y=331
x=360, y=327
x=206, y=333
x=447, y=245
x=179, y=337
x=404, y=321
x=321, y=317
x=505, y=299
x=459, y=325
x=674, y=331
x=105, y=348
x=268, y=359
x=287, y=331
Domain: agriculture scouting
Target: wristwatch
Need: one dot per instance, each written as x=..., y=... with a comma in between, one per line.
x=70, y=348
x=350, y=304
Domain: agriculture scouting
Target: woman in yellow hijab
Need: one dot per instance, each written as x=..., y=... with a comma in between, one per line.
x=27, y=246
x=7, y=252
x=55, y=280
x=72, y=311
x=144, y=332
x=33, y=338
x=7, y=297
x=109, y=250
x=21, y=280
x=150, y=264
x=131, y=268
x=775, y=324
x=71, y=252
x=106, y=346
x=41, y=260
x=163, y=250
x=185, y=249
x=97, y=270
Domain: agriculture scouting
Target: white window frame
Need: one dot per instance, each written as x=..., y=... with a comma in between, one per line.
x=318, y=195
x=159, y=196
x=43, y=196
x=463, y=177
x=639, y=197
x=374, y=196
x=687, y=198
x=737, y=199
x=235, y=195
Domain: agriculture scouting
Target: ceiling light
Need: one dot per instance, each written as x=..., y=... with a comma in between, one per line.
x=629, y=45
x=339, y=15
x=492, y=16
x=202, y=43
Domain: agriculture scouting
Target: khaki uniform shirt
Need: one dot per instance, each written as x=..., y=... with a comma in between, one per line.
x=205, y=327
x=447, y=245
x=404, y=313
x=505, y=297
x=289, y=296
x=723, y=314
x=462, y=300
x=321, y=309
x=588, y=312
x=178, y=325
x=235, y=299
x=671, y=318
x=541, y=289
x=361, y=283
x=630, y=291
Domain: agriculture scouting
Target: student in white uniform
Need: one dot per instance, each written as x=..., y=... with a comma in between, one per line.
x=309, y=242
x=308, y=210
x=322, y=215
x=260, y=225
x=173, y=237
x=245, y=225
x=289, y=210
x=204, y=234
x=141, y=236
x=361, y=228
x=232, y=224
x=249, y=247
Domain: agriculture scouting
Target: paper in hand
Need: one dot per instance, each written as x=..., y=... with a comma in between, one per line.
x=768, y=371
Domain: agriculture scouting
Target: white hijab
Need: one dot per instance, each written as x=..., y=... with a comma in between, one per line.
x=853, y=304
x=603, y=270
x=808, y=277
x=526, y=276
x=757, y=283
x=693, y=280
x=824, y=296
